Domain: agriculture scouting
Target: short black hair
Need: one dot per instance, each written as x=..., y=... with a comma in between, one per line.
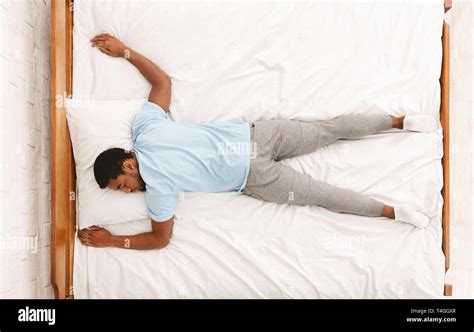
x=108, y=165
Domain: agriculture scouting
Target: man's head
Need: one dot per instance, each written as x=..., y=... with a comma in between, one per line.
x=118, y=169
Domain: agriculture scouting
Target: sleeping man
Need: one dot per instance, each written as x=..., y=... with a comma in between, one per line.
x=171, y=157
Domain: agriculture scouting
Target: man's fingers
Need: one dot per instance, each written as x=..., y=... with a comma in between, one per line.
x=84, y=238
x=83, y=233
x=95, y=39
x=104, y=50
x=103, y=36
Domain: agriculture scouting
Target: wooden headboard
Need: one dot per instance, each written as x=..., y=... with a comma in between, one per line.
x=63, y=179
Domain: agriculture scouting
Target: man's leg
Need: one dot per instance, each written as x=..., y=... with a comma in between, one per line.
x=275, y=182
x=290, y=138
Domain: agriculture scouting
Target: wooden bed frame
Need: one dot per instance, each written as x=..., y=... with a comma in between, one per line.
x=63, y=178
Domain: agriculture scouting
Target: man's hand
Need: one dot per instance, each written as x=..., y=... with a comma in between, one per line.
x=109, y=45
x=160, y=82
x=158, y=238
x=95, y=237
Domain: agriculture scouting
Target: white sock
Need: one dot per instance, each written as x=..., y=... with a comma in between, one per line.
x=420, y=122
x=411, y=216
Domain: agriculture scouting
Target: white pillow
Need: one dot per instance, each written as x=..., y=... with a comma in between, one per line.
x=95, y=126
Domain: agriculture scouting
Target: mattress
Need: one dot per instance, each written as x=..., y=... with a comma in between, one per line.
x=296, y=60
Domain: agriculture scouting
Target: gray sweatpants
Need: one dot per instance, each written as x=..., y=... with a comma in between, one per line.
x=273, y=140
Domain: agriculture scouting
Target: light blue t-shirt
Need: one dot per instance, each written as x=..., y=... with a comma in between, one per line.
x=176, y=157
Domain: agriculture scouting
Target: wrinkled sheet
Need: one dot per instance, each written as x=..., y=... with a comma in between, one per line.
x=261, y=60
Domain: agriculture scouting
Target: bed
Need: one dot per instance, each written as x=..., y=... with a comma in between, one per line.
x=227, y=245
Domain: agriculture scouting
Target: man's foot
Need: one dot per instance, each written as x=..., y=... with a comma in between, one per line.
x=420, y=122
x=405, y=214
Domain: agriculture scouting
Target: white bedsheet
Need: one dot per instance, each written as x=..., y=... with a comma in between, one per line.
x=264, y=60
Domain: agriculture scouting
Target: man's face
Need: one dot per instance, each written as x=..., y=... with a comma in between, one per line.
x=130, y=181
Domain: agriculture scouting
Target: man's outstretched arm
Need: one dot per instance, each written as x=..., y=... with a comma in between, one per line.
x=160, y=93
x=158, y=238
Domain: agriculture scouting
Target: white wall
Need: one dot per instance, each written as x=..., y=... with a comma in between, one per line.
x=24, y=158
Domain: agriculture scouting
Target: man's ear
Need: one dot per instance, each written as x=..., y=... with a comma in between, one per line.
x=128, y=165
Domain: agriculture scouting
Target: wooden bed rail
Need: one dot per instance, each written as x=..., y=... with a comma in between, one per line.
x=63, y=184
x=444, y=118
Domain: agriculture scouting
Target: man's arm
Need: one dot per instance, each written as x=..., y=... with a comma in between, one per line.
x=160, y=93
x=158, y=238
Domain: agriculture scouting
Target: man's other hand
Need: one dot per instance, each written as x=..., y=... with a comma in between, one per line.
x=109, y=45
x=95, y=236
